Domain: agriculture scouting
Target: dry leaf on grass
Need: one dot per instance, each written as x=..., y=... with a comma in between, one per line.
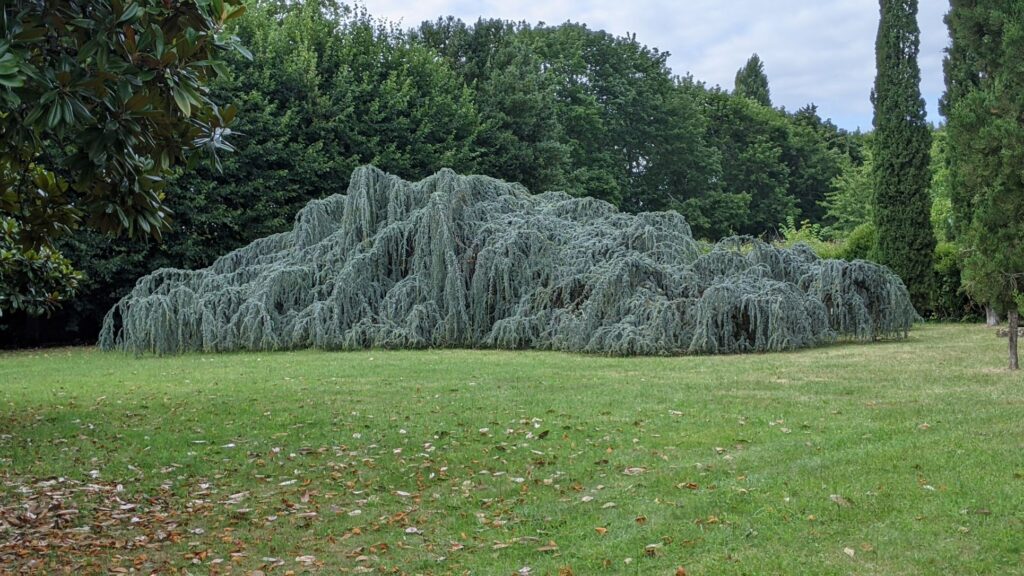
x=549, y=547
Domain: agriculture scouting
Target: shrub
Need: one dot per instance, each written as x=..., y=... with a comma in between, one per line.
x=949, y=301
x=810, y=235
x=860, y=244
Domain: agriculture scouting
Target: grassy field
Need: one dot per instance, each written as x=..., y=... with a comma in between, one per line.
x=892, y=458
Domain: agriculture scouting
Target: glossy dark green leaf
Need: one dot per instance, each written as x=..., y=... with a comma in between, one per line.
x=11, y=81
x=131, y=12
x=181, y=98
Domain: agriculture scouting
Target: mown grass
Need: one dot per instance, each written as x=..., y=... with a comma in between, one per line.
x=891, y=458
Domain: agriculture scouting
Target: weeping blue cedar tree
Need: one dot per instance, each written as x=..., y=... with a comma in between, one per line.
x=457, y=261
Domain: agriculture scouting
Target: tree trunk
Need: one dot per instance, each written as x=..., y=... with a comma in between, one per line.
x=991, y=317
x=1014, y=318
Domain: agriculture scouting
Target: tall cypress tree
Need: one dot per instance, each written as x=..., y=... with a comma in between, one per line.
x=752, y=82
x=984, y=103
x=902, y=152
x=962, y=75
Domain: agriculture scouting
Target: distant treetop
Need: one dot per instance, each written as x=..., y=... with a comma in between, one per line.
x=752, y=82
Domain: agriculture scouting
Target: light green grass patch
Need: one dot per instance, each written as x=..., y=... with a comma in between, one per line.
x=891, y=458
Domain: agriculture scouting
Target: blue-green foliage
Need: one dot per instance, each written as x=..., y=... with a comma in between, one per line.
x=470, y=261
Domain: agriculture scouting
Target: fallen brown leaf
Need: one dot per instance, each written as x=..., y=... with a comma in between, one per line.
x=549, y=547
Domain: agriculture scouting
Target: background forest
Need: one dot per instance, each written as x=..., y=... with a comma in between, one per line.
x=329, y=88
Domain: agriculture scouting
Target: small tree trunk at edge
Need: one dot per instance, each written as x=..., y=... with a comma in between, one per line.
x=991, y=317
x=1014, y=318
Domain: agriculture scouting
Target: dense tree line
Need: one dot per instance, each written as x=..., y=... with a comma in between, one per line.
x=562, y=107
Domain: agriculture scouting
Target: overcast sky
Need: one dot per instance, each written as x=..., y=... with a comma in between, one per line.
x=819, y=51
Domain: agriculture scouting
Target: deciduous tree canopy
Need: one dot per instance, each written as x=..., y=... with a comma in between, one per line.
x=752, y=82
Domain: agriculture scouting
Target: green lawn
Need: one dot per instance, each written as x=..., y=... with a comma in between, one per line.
x=892, y=458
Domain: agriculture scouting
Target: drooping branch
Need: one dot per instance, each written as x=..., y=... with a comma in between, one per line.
x=469, y=261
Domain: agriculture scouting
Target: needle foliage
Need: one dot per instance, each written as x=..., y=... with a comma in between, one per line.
x=902, y=144
x=470, y=261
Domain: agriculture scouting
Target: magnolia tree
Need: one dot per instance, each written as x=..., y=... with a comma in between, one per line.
x=99, y=99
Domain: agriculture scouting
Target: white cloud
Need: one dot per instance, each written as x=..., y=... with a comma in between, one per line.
x=814, y=51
